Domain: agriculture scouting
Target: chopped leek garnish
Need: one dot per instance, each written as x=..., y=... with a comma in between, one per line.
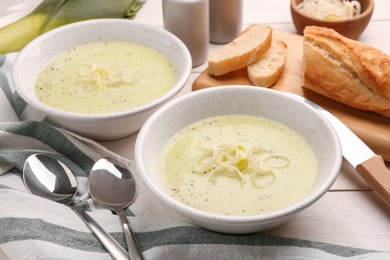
x=236, y=162
x=94, y=78
x=54, y=13
x=228, y=171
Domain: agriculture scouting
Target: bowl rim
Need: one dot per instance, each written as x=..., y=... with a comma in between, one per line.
x=363, y=15
x=63, y=114
x=236, y=220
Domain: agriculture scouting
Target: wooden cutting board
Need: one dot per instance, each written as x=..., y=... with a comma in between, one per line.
x=372, y=128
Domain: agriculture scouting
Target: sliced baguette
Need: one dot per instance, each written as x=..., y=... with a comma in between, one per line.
x=266, y=71
x=247, y=48
x=346, y=70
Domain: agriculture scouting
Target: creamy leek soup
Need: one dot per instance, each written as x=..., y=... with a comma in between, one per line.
x=104, y=77
x=238, y=165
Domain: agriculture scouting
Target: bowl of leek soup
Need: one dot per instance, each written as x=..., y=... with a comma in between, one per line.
x=101, y=78
x=237, y=159
x=348, y=17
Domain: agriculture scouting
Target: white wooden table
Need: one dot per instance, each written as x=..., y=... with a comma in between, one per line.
x=350, y=214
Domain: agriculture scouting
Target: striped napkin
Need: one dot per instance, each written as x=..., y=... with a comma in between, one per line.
x=35, y=228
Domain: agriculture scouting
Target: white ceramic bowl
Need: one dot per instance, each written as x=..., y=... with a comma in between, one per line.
x=247, y=100
x=99, y=126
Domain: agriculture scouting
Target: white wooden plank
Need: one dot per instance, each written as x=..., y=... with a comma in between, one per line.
x=356, y=219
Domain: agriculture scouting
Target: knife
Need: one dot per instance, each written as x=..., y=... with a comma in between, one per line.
x=370, y=166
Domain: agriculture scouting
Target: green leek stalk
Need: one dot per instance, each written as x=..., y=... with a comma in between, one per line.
x=54, y=13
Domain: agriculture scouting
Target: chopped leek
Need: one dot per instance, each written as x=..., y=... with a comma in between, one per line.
x=331, y=10
x=54, y=13
x=228, y=171
x=236, y=162
x=102, y=78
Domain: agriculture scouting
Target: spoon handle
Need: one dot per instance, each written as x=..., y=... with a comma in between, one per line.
x=112, y=246
x=132, y=246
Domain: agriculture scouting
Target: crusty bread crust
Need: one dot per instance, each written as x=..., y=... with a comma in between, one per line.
x=266, y=71
x=346, y=70
x=247, y=48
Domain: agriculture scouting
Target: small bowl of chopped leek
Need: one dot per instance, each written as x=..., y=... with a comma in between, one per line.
x=237, y=159
x=348, y=17
x=101, y=78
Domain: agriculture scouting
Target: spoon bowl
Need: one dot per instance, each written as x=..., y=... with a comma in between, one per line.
x=112, y=185
x=49, y=178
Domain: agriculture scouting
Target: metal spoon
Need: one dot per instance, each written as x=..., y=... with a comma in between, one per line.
x=112, y=185
x=48, y=178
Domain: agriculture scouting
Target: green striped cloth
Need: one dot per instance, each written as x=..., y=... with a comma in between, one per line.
x=35, y=228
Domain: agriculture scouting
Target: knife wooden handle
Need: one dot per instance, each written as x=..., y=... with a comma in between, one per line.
x=376, y=174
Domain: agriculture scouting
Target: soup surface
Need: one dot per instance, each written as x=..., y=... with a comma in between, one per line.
x=104, y=77
x=238, y=165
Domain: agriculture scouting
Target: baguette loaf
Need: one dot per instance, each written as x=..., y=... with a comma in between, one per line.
x=266, y=71
x=247, y=48
x=346, y=70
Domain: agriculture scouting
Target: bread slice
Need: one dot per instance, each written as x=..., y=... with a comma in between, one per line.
x=247, y=48
x=346, y=70
x=266, y=71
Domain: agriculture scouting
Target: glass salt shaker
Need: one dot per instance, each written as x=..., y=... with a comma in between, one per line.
x=225, y=20
x=189, y=21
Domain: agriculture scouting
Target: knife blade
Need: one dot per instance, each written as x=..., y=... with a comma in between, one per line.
x=370, y=166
